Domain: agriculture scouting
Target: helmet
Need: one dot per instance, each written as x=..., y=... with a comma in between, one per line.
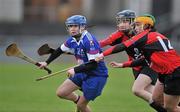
x=126, y=14
x=151, y=16
x=145, y=20
x=76, y=19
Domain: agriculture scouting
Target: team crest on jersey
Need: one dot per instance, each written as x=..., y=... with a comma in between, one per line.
x=136, y=50
x=92, y=47
x=137, y=53
x=80, y=52
x=91, y=43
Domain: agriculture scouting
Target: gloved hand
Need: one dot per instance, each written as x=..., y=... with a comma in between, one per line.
x=45, y=49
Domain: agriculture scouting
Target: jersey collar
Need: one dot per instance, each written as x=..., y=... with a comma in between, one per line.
x=83, y=34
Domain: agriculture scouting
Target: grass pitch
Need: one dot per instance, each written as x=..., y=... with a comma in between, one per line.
x=19, y=92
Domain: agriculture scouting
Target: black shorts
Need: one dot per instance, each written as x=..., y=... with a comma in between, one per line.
x=147, y=71
x=171, y=82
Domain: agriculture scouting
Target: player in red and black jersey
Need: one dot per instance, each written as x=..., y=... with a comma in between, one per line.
x=161, y=57
x=145, y=77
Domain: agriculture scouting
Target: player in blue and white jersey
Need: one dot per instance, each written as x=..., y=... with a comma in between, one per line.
x=90, y=76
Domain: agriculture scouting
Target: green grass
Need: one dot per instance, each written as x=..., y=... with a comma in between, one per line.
x=19, y=92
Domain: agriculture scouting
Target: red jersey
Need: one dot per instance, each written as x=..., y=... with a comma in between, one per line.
x=155, y=47
x=113, y=39
x=117, y=38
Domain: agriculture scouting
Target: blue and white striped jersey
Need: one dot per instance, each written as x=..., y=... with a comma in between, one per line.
x=86, y=49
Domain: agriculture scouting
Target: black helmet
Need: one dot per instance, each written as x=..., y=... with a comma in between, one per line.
x=129, y=14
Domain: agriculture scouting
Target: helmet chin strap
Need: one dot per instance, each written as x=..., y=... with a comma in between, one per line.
x=77, y=37
x=81, y=29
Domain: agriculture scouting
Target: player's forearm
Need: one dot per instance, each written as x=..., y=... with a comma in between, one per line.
x=104, y=42
x=135, y=63
x=138, y=62
x=86, y=67
x=114, y=49
x=56, y=53
x=51, y=50
x=127, y=64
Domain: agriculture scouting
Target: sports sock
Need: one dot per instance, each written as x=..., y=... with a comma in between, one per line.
x=77, y=99
x=157, y=107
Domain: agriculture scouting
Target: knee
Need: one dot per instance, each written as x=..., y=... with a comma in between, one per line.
x=136, y=91
x=60, y=94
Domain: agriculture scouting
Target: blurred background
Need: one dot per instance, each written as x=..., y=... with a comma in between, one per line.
x=31, y=23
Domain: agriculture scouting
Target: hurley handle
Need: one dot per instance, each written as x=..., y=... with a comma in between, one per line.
x=45, y=68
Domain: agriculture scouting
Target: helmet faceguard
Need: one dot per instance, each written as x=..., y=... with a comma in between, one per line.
x=76, y=20
x=142, y=23
x=124, y=19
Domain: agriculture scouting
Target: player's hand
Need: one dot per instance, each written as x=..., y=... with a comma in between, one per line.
x=42, y=64
x=99, y=58
x=116, y=65
x=71, y=72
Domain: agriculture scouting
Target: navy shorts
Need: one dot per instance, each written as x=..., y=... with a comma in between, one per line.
x=171, y=82
x=91, y=86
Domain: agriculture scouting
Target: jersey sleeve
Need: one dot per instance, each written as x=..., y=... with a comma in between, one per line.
x=130, y=58
x=56, y=53
x=114, y=49
x=135, y=63
x=137, y=40
x=66, y=47
x=104, y=42
x=111, y=39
